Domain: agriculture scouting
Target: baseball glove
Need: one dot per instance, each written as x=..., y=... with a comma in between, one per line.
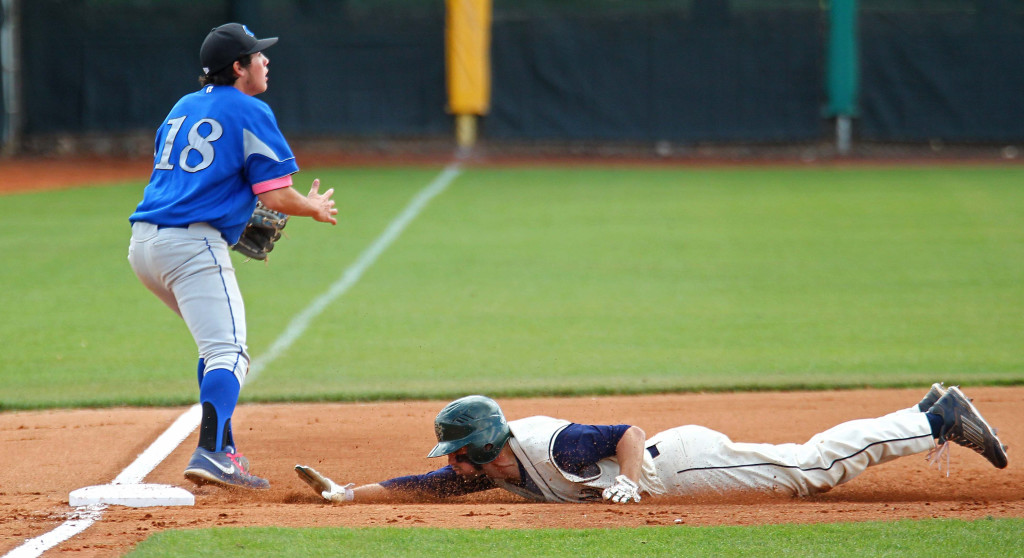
x=263, y=230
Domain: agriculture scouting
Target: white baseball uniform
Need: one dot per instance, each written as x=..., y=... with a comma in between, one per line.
x=560, y=461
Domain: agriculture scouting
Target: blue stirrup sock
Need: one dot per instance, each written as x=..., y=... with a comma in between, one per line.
x=199, y=371
x=218, y=394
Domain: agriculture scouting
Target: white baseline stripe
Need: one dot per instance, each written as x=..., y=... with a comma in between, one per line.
x=162, y=446
x=190, y=419
x=37, y=546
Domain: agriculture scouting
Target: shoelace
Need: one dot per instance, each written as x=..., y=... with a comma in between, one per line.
x=240, y=460
x=935, y=456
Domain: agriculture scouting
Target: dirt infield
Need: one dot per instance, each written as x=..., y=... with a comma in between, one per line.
x=45, y=173
x=55, y=452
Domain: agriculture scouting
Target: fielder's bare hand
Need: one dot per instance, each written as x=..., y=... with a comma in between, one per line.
x=314, y=204
x=323, y=203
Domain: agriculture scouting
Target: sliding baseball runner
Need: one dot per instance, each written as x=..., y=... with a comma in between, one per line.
x=553, y=460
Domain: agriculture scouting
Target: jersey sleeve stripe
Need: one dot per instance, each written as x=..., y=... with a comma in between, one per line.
x=273, y=184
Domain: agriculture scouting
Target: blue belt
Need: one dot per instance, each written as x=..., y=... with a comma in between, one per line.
x=171, y=227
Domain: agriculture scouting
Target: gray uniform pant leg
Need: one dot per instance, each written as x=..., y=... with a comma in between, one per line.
x=190, y=270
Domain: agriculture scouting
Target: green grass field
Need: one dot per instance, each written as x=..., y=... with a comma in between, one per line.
x=549, y=281
x=544, y=281
x=903, y=539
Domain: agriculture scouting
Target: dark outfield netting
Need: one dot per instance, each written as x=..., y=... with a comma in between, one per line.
x=348, y=68
x=659, y=70
x=942, y=70
x=642, y=71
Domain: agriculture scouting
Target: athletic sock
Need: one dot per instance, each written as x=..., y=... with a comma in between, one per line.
x=229, y=440
x=936, y=422
x=218, y=395
x=199, y=371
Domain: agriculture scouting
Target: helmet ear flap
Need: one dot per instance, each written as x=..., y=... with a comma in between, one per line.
x=481, y=454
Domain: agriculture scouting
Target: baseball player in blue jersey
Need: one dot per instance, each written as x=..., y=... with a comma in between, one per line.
x=552, y=460
x=218, y=151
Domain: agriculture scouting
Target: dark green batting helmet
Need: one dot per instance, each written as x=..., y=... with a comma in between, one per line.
x=474, y=422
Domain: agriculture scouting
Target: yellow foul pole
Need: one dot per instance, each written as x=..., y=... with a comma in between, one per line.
x=467, y=53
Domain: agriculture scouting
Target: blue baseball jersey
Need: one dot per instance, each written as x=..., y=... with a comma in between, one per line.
x=215, y=146
x=575, y=449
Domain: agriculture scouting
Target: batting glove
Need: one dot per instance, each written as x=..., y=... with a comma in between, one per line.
x=622, y=491
x=328, y=489
x=339, y=494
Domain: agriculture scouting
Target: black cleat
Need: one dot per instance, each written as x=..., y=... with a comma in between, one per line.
x=964, y=425
x=933, y=395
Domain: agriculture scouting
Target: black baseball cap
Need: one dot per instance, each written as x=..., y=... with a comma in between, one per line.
x=227, y=43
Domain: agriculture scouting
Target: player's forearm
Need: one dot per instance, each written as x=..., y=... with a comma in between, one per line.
x=370, y=493
x=288, y=200
x=376, y=493
x=630, y=452
x=314, y=204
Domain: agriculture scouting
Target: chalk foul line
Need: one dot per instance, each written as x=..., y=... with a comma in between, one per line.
x=300, y=323
x=82, y=517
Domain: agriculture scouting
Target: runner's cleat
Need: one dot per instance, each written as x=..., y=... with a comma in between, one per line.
x=933, y=395
x=964, y=425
